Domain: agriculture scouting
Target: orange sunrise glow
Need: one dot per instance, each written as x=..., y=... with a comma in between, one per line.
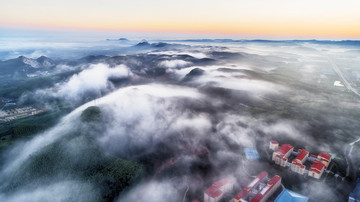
x=273, y=18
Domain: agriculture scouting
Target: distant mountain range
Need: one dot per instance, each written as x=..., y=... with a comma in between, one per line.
x=120, y=39
x=146, y=45
x=342, y=42
x=23, y=66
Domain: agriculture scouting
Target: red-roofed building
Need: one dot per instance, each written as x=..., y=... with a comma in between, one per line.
x=298, y=167
x=243, y=195
x=280, y=156
x=268, y=190
x=324, y=155
x=221, y=183
x=217, y=190
x=317, y=169
x=273, y=145
x=325, y=158
x=297, y=163
x=301, y=158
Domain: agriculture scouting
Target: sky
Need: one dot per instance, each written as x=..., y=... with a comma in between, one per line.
x=320, y=19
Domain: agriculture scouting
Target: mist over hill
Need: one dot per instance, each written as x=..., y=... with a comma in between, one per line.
x=163, y=120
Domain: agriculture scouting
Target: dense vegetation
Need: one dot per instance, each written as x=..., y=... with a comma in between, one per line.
x=25, y=128
x=74, y=156
x=91, y=114
x=15, y=88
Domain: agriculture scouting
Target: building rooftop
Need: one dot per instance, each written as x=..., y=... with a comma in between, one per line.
x=317, y=166
x=251, y=153
x=221, y=183
x=283, y=149
x=290, y=196
x=327, y=156
x=211, y=190
x=216, y=194
x=356, y=193
x=214, y=191
x=251, y=185
x=259, y=196
x=302, y=155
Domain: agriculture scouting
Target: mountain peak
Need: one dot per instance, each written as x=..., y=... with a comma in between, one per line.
x=28, y=61
x=45, y=61
x=143, y=43
x=42, y=57
x=21, y=57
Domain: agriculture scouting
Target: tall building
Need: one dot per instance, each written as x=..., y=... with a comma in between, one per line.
x=217, y=190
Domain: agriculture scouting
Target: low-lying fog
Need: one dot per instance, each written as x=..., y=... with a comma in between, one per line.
x=197, y=106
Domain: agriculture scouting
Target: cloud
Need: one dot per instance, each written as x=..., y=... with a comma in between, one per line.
x=174, y=63
x=65, y=68
x=200, y=126
x=237, y=80
x=156, y=111
x=37, y=54
x=153, y=109
x=237, y=129
x=320, y=191
x=94, y=80
x=153, y=192
x=90, y=82
x=136, y=105
x=19, y=153
x=197, y=55
x=59, y=191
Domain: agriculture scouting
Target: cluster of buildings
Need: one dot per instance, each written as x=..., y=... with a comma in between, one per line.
x=282, y=154
x=18, y=113
x=265, y=188
x=260, y=189
x=6, y=102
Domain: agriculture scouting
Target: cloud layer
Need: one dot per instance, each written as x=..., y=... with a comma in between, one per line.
x=187, y=129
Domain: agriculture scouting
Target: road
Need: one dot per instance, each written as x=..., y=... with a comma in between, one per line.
x=352, y=146
x=348, y=158
x=342, y=76
x=350, y=166
x=186, y=191
x=337, y=70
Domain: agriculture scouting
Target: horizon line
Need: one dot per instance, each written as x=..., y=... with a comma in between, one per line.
x=212, y=34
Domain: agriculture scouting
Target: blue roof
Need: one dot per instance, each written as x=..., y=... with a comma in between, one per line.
x=251, y=153
x=290, y=196
x=356, y=193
